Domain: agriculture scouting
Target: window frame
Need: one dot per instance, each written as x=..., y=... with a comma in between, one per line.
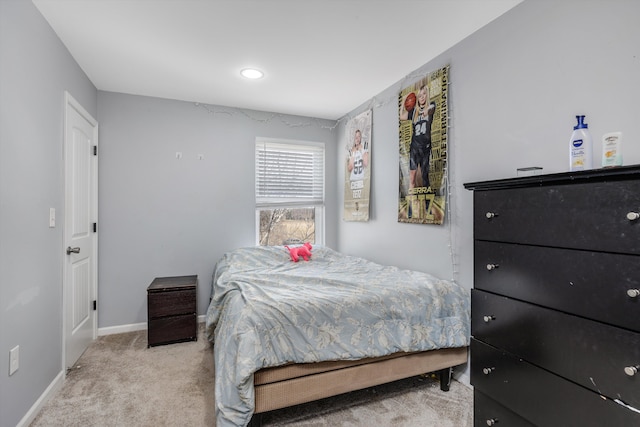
x=262, y=202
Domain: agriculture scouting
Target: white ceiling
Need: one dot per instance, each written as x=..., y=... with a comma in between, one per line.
x=321, y=58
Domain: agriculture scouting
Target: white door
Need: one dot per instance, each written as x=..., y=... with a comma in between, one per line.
x=80, y=240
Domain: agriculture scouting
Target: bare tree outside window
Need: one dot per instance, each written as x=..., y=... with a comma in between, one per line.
x=287, y=226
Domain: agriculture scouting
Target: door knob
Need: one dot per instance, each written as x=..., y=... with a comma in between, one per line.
x=633, y=293
x=631, y=370
x=71, y=250
x=632, y=216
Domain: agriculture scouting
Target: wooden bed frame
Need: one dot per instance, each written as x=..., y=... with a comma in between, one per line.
x=293, y=384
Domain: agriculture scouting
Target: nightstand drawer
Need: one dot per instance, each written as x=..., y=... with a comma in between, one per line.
x=166, y=330
x=539, y=396
x=170, y=303
x=581, y=216
x=596, y=285
x=589, y=353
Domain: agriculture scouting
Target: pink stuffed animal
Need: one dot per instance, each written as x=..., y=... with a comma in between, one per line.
x=303, y=251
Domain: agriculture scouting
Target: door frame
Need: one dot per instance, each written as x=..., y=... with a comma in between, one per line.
x=70, y=102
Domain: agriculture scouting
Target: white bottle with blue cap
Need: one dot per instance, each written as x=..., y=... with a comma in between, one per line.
x=580, y=147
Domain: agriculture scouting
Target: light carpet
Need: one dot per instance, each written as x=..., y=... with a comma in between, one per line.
x=118, y=381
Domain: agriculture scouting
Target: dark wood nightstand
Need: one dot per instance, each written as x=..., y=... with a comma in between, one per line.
x=172, y=310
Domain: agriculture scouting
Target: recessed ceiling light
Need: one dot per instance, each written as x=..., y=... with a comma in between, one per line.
x=252, y=73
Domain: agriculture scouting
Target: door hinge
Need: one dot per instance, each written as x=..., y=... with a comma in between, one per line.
x=95, y=227
x=95, y=305
x=95, y=150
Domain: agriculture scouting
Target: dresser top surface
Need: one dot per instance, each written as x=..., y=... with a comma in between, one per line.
x=594, y=175
x=176, y=282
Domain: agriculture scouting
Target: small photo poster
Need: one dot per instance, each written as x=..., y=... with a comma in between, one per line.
x=422, y=111
x=357, y=183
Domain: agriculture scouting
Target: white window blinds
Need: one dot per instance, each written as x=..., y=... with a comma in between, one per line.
x=289, y=173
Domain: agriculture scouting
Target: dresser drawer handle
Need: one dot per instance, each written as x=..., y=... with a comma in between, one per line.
x=492, y=421
x=488, y=319
x=487, y=371
x=492, y=266
x=631, y=370
x=490, y=215
x=632, y=216
x=633, y=293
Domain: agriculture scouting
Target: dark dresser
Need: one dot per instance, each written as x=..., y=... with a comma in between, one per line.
x=172, y=310
x=555, y=315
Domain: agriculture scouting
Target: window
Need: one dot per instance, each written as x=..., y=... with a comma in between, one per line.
x=289, y=192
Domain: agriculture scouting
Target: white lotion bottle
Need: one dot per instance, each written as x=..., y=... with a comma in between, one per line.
x=580, y=147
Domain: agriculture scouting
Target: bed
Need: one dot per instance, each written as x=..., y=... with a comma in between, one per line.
x=286, y=333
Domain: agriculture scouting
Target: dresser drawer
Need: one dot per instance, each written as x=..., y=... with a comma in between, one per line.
x=487, y=411
x=589, y=353
x=595, y=285
x=542, y=398
x=583, y=216
x=169, y=303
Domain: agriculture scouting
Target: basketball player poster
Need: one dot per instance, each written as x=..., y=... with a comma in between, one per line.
x=357, y=183
x=422, y=109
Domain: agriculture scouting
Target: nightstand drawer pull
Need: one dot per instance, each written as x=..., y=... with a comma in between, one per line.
x=631, y=370
x=492, y=266
x=492, y=421
x=633, y=293
x=632, y=216
x=488, y=319
x=490, y=215
x=487, y=371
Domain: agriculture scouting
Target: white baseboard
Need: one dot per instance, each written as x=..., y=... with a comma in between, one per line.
x=55, y=385
x=121, y=329
x=463, y=379
x=461, y=373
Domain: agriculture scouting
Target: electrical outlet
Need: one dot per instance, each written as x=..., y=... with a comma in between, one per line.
x=14, y=359
x=178, y=155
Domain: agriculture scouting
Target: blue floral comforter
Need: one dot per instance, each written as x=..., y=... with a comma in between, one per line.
x=267, y=311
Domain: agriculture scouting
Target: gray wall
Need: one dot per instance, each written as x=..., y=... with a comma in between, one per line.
x=35, y=70
x=159, y=216
x=516, y=86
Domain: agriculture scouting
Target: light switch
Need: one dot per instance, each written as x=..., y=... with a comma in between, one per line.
x=52, y=217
